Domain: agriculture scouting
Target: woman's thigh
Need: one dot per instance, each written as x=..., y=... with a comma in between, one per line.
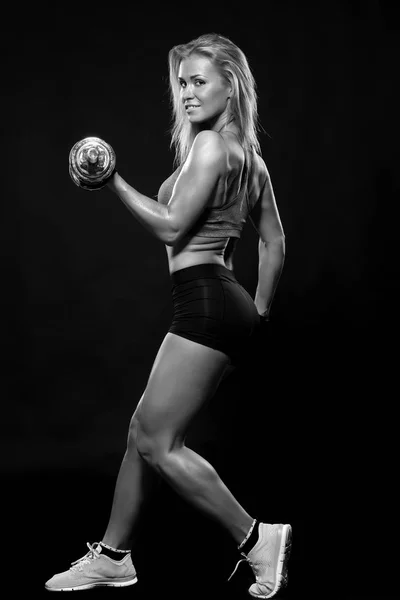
x=185, y=375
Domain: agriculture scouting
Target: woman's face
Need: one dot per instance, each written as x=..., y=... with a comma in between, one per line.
x=204, y=92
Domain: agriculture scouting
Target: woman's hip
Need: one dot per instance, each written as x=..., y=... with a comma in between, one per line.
x=212, y=308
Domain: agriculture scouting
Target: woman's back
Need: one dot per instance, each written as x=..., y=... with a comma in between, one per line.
x=214, y=236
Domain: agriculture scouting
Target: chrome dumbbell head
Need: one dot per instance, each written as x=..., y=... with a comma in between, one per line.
x=91, y=163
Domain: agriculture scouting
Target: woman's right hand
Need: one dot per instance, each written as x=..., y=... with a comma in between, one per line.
x=111, y=182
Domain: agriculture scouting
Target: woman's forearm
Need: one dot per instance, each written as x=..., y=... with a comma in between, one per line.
x=271, y=260
x=152, y=215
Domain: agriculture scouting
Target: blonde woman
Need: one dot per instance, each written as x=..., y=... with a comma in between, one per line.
x=220, y=179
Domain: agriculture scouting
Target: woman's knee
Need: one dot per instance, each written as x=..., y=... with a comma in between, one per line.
x=148, y=445
x=152, y=448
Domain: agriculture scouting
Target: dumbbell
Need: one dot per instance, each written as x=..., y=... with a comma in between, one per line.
x=91, y=163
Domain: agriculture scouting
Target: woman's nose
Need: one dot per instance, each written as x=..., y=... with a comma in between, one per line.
x=188, y=92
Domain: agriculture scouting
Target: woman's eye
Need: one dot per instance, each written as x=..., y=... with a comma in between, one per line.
x=197, y=82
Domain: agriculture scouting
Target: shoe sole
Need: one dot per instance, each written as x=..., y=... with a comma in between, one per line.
x=283, y=557
x=89, y=586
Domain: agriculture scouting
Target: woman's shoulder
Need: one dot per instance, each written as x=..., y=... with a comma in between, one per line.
x=208, y=151
x=207, y=141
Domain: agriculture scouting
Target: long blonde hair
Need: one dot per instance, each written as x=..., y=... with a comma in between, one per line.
x=233, y=66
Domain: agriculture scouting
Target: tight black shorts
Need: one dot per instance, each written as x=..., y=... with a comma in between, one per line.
x=211, y=308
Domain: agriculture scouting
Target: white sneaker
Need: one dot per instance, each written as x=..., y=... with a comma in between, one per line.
x=268, y=559
x=94, y=570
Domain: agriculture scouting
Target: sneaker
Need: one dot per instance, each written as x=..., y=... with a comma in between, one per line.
x=268, y=559
x=94, y=570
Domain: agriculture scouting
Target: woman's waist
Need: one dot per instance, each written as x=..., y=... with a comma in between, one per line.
x=190, y=257
x=203, y=273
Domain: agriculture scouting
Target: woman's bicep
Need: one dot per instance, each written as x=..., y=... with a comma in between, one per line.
x=197, y=181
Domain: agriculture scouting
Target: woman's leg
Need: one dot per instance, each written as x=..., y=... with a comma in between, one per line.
x=184, y=377
x=135, y=481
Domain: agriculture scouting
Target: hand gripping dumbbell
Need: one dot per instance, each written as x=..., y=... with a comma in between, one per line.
x=91, y=163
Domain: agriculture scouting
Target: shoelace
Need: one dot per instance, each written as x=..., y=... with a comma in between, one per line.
x=89, y=556
x=246, y=558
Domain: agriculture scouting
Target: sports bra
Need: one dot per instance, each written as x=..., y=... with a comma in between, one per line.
x=224, y=221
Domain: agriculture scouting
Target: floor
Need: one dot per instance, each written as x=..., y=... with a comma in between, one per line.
x=183, y=555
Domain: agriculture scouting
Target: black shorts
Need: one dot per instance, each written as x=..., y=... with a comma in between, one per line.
x=211, y=308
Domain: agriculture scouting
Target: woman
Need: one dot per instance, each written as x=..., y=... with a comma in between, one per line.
x=199, y=215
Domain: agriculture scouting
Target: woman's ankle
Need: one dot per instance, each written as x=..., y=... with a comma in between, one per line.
x=114, y=553
x=251, y=538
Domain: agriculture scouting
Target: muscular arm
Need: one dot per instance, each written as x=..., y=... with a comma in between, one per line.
x=205, y=164
x=271, y=247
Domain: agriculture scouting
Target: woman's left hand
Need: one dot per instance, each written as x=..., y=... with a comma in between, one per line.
x=228, y=370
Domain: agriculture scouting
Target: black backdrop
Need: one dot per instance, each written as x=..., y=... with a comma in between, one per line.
x=304, y=433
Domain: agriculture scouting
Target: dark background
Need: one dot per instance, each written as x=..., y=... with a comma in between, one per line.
x=305, y=431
